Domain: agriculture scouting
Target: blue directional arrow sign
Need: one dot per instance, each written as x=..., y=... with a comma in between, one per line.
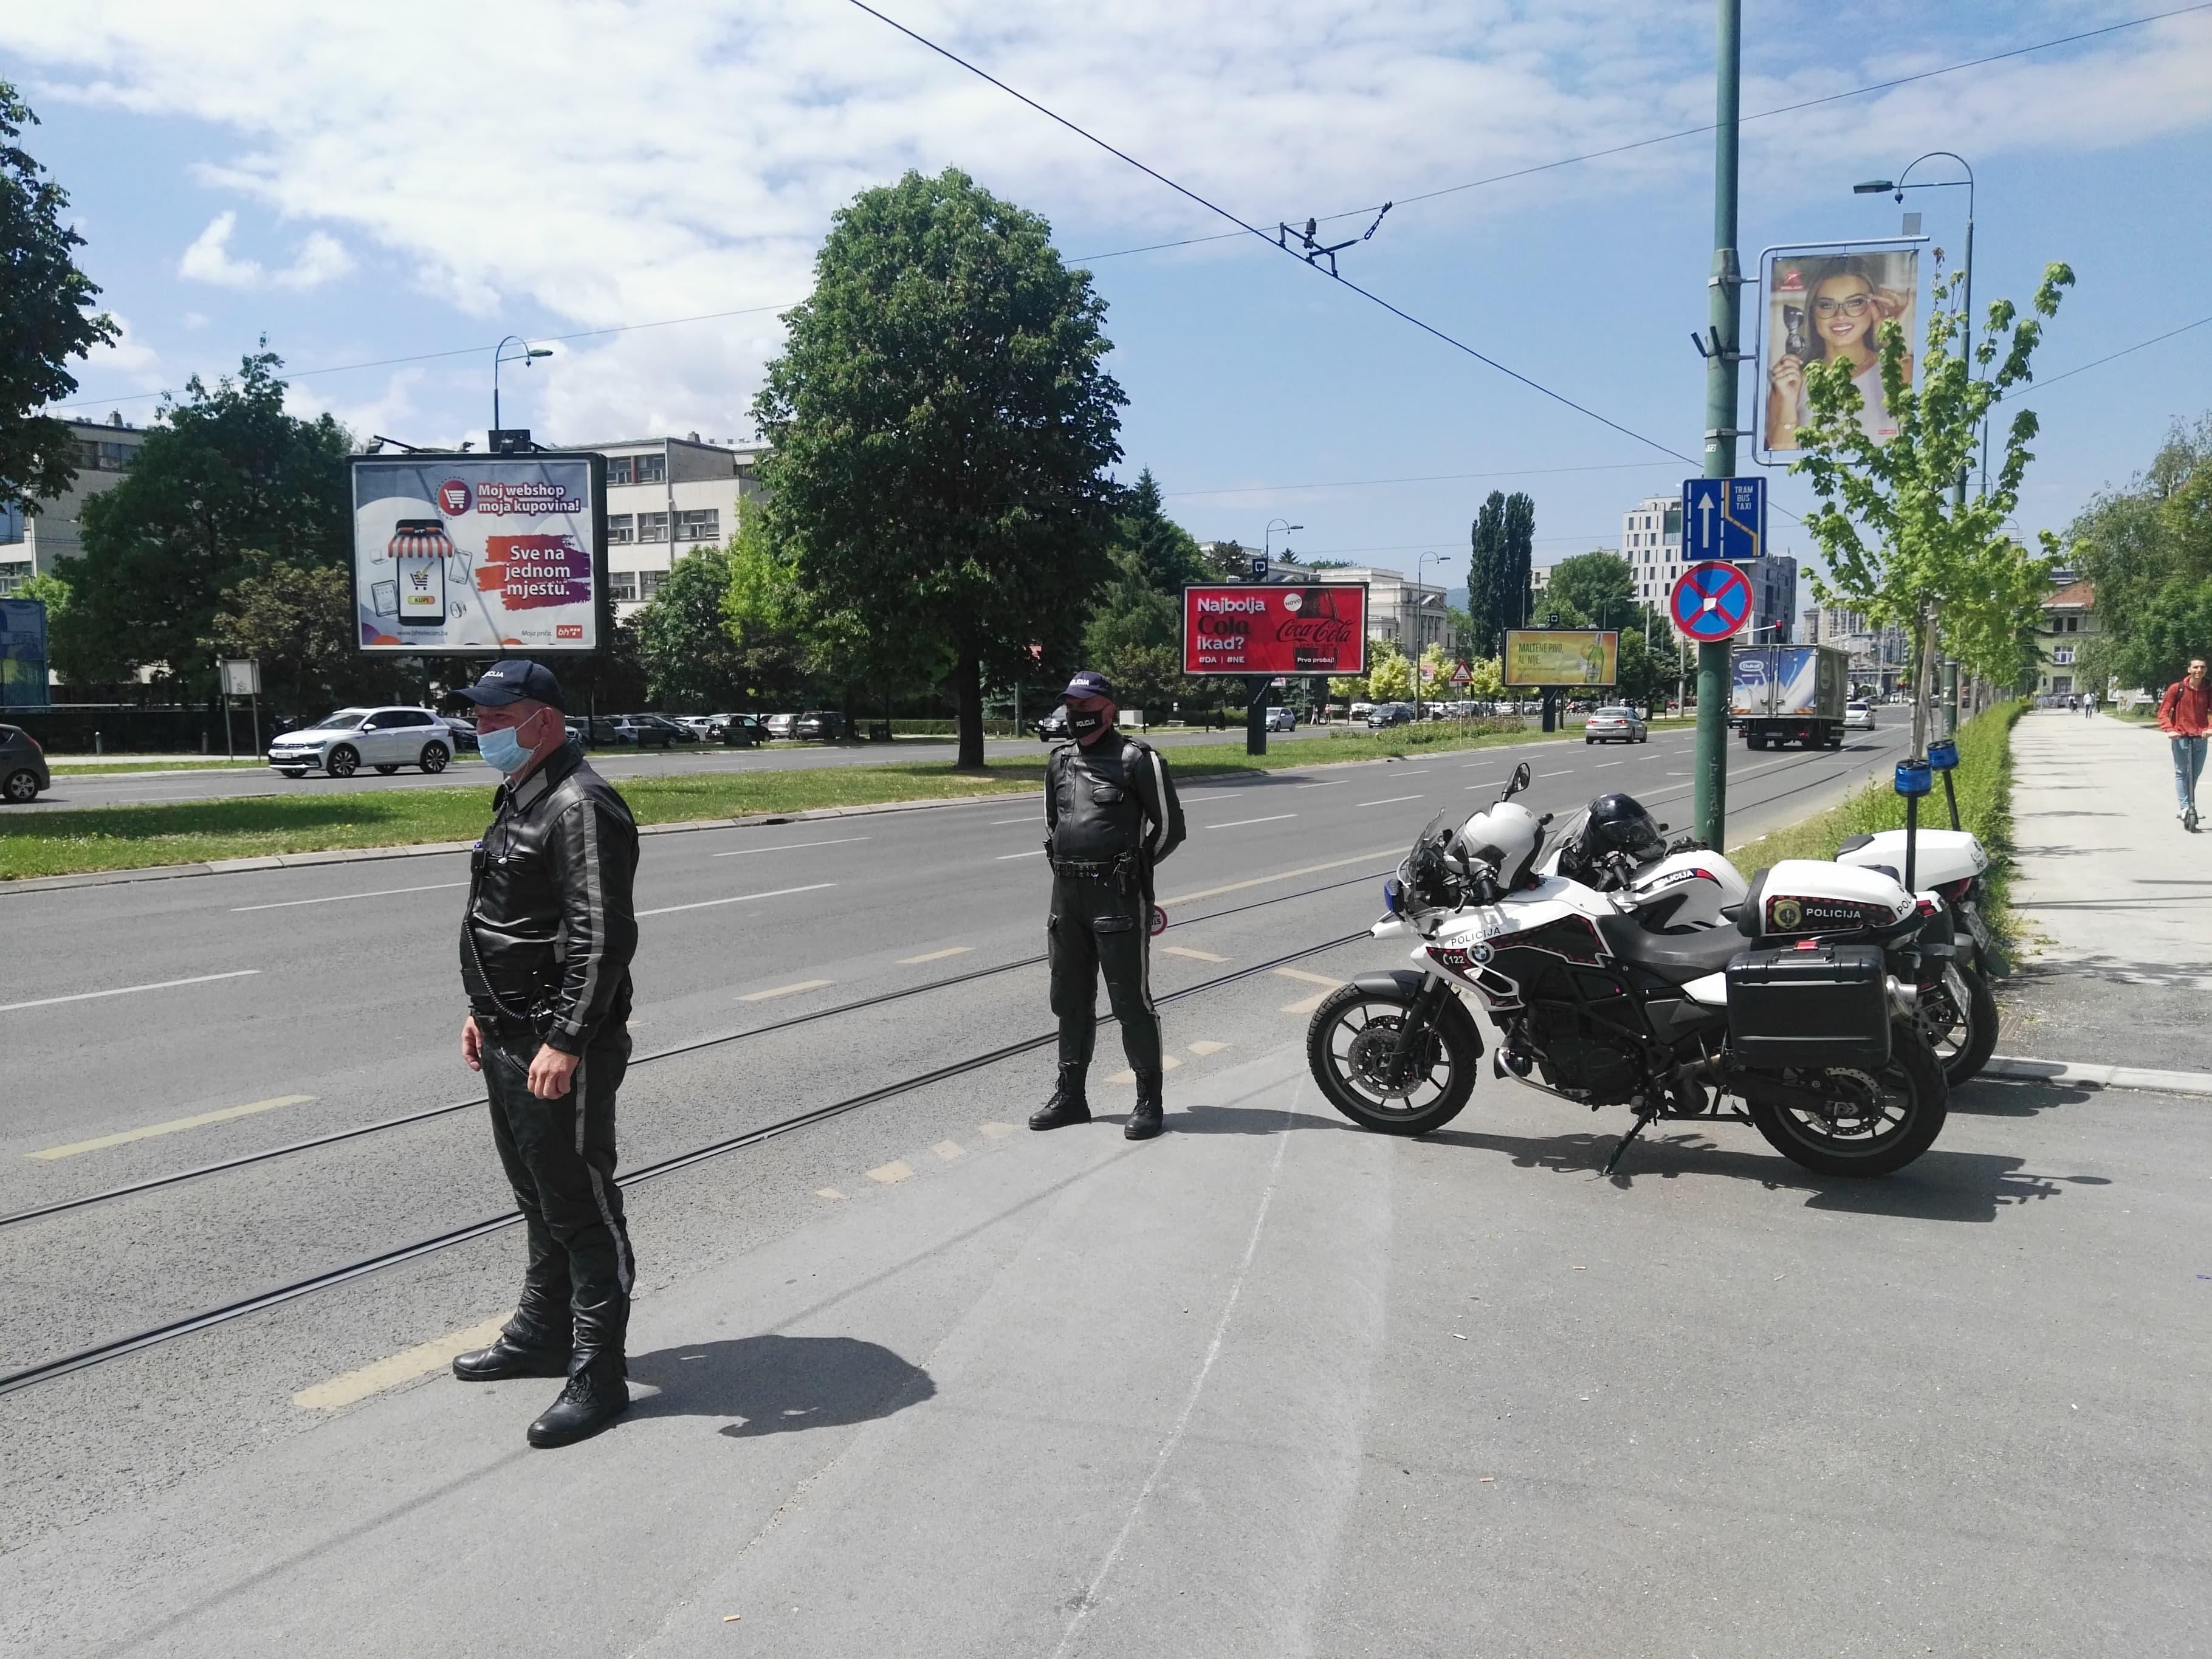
x=1724, y=518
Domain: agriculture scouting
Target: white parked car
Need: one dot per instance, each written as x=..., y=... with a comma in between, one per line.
x=1858, y=717
x=342, y=743
x=1282, y=719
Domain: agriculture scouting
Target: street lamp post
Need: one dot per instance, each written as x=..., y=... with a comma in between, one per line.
x=1420, y=598
x=525, y=357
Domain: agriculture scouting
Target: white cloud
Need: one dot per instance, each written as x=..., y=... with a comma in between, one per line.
x=608, y=162
x=208, y=259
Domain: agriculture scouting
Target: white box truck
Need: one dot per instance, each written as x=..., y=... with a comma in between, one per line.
x=1789, y=694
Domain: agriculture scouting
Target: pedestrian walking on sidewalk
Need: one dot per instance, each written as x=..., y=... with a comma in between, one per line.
x=2185, y=715
x=2088, y=705
x=1110, y=815
x=546, y=943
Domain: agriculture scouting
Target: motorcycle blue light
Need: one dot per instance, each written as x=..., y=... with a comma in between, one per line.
x=1390, y=894
x=1914, y=780
x=1942, y=755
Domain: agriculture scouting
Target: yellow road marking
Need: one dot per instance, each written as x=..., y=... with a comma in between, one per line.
x=787, y=990
x=948, y=1150
x=828, y=1192
x=934, y=956
x=1281, y=875
x=889, y=1173
x=124, y=1137
x=404, y=1367
x=1310, y=979
x=1207, y=1047
x=1305, y=1005
x=1195, y=956
x=1168, y=1063
x=995, y=1131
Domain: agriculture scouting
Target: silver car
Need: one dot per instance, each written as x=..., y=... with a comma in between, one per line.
x=386, y=738
x=1614, y=724
x=23, y=771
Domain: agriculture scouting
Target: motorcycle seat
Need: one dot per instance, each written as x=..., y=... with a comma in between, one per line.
x=1680, y=957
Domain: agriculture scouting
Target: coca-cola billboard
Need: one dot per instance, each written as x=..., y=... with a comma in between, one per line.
x=1262, y=628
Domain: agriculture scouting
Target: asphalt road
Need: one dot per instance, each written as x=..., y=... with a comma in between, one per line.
x=1237, y=1392
x=154, y=784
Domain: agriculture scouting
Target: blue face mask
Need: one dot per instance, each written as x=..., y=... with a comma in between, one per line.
x=504, y=749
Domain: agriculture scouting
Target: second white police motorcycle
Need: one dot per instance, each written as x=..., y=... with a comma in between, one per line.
x=1799, y=1019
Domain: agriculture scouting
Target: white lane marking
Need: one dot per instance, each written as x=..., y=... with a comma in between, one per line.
x=1310, y=979
x=890, y=1174
x=403, y=1367
x=1238, y=824
x=340, y=898
x=1089, y=1597
x=1602, y=765
x=1412, y=771
x=1282, y=875
x=791, y=845
x=742, y=898
x=126, y=990
x=791, y=989
x=1389, y=800
x=948, y=1150
x=1033, y=853
x=1168, y=1063
x=1332, y=784
x=1304, y=1004
x=124, y=1137
x=1494, y=783
x=1206, y=1046
x=1195, y=956
x=1556, y=774
x=995, y=1131
x=935, y=955
x=1000, y=823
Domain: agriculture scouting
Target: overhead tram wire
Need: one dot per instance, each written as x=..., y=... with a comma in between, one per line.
x=1215, y=208
x=1349, y=213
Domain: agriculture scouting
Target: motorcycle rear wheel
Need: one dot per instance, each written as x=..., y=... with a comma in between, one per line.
x=1964, y=1046
x=1344, y=1062
x=1910, y=1111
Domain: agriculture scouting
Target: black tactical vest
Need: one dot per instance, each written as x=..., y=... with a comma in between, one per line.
x=1098, y=815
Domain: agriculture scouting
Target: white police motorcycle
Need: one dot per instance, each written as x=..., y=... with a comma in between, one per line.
x=1797, y=1011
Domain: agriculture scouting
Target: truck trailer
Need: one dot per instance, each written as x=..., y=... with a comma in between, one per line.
x=1789, y=694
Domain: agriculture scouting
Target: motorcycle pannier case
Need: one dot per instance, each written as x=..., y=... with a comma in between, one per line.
x=1827, y=1006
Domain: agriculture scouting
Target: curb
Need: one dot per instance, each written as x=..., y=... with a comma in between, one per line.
x=2100, y=1077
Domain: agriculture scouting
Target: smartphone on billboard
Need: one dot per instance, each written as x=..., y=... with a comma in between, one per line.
x=419, y=550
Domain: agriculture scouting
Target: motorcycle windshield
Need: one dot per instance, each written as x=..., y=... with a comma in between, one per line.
x=1428, y=879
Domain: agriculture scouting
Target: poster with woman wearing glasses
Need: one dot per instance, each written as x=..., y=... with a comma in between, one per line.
x=1825, y=307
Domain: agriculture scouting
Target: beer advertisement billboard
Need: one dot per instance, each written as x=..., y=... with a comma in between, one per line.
x=1275, y=628
x=480, y=555
x=1825, y=307
x=1562, y=656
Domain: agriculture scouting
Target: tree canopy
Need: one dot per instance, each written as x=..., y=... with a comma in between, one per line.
x=2149, y=550
x=942, y=423
x=1598, y=587
x=46, y=318
x=693, y=663
x=1501, y=554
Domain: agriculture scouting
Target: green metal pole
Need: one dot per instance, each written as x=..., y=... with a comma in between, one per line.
x=1724, y=311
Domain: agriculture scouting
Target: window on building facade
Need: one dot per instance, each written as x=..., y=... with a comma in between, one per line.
x=621, y=529
x=2063, y=653
x=620, y=469
x=699, y=525
x=652, y=468
x=11, y=525
x=13, y=575
x=652, y=526
x=648, y=583
x=622, y=586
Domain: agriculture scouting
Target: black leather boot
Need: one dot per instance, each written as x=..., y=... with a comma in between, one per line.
x=507, y=1358
x=1144, y=1120
x=1067, y=1104
x=595, y=1396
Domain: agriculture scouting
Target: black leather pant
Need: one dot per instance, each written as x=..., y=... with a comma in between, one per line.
x=1101, y=925
x=560, y=1159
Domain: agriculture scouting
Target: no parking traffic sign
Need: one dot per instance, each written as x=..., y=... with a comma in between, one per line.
x=1711, y=602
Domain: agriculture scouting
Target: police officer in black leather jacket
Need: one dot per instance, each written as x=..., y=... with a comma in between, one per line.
x=1112, y=815
x=546, y=943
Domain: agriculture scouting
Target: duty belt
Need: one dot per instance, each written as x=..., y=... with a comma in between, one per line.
x=1118, y=868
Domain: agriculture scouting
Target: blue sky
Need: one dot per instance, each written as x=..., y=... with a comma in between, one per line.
x=373, y=184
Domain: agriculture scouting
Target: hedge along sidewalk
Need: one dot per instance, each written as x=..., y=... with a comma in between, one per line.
x=1983, y=783
x=261, y=832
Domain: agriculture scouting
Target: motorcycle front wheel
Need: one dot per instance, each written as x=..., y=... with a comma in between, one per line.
x=1352, y=1047
x=1880, y=1120
x=1963, y=1038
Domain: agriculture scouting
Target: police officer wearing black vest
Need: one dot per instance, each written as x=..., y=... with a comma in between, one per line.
x=1112, y=815
x=546, y=943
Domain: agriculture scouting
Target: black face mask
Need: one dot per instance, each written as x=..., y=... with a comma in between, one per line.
x=1084, y=722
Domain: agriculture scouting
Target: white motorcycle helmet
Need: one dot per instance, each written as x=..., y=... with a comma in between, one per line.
x=1508, y=837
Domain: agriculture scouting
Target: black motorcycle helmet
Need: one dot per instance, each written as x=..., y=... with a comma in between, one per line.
x=1618, y=823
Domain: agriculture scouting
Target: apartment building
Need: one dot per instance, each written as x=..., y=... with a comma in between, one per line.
x=665, y=497
x=2067, y=622
x=32, y=544
x=1651, y=542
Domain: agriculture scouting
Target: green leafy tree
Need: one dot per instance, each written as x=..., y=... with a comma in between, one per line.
x=1486, y=578
x=46, y=318
x=1898, y=542
x=1593, y=586
x=942, y=424
x=767, y=619
x=693, y=663
x=1518, y=530
x=2149, y=550
x=1389, y=673
x=227, y=485
x=298, y=624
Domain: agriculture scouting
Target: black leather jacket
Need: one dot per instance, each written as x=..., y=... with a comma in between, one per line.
x=550, y=928
x=1111, y=798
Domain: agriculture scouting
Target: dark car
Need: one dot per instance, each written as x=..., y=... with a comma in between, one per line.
x=464, y=732
x=737, y=731
x=23, y=771
x=1053, y=728
x=1390, y=713
x=819, y=725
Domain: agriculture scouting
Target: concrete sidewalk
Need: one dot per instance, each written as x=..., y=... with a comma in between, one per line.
x=2116, y=898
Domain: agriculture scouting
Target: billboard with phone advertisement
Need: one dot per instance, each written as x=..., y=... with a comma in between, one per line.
x=1562, y=656
x=480, y=555
x=1259, y=628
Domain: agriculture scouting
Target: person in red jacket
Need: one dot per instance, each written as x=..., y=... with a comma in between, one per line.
x=2185, y=715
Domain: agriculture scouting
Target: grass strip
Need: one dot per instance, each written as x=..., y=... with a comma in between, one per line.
x=101, y=838
x=1984, y=782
